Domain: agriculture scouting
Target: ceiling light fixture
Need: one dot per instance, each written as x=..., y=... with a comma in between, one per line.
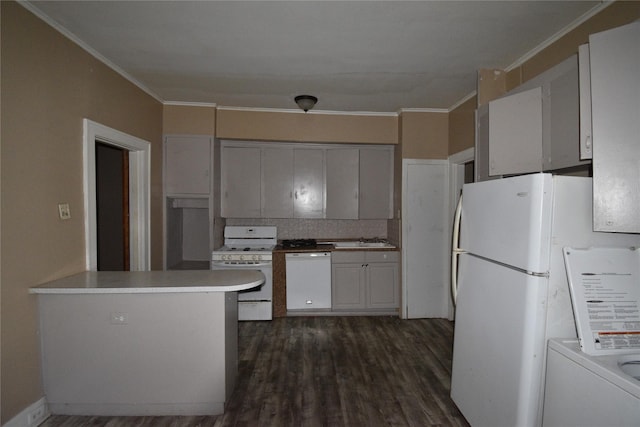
x=306, y=102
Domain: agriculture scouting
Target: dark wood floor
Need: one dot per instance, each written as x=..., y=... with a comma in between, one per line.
x=329, y=371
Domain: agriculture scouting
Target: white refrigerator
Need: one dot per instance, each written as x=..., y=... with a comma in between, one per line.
x=512, y=290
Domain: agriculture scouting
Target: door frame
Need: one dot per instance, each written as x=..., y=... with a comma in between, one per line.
x=456, y=180
x=139, y=193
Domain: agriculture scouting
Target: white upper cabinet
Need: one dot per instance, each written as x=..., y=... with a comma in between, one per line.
x=308, y=185
x=615, y=107
x=515, y=133
x=240, y=182
x=359, y=183
x=376, y=180
x=584, y=70
x=342, y=183
x=295, y=180
x=535, y=127
x=277, y=182
x=187, y=164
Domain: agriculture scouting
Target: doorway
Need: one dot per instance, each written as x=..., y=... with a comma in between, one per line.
x=138, y=162
x=112, y=203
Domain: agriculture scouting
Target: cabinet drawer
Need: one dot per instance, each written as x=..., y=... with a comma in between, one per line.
x=347, y=256
x=378, y=256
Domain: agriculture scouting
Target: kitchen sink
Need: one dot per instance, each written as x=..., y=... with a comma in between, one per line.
x=360, y=245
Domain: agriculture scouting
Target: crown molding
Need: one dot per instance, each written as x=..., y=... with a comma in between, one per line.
x=190, y=104
x=68, y=34
x=557, y=36
x=424, y=110
x=312, y=112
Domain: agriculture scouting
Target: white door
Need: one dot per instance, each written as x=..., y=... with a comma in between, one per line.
x=499, y=344
x=277, y=182
x=187, y=164
x=515, y=133
x=342, y=183
x=615, y=110
x=509, y=220
x=308, y=183
x=375, y=182
x=240, y=182
x=425, y=235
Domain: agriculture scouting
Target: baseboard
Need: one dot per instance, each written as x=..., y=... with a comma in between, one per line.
x=31, y=416
x=137, y=409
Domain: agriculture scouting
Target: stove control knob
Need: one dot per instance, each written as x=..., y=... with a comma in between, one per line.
x=256, y=257
x=241, y=257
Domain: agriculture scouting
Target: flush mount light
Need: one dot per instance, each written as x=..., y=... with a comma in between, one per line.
x=306, y=102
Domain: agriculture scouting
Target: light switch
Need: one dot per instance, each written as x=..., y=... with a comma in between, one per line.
x=64, y=211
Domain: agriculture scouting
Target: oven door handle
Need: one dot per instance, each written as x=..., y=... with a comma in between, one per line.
x=247, y=266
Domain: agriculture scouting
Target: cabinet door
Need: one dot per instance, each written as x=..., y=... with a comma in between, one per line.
x=515, y=133
x=376, y=184
x=584, y=78
x=561, y=116
x=382, y=285
x=482, y=145
x=187, y=164
x=308, y=186
x=342, y=183
x=347, y=286
x=277, y=182
x=615, y=107
x=240, y=182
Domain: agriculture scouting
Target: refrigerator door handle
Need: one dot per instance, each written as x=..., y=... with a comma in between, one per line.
x=455, y=251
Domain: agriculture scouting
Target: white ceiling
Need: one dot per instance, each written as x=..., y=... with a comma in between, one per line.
x=379, y=56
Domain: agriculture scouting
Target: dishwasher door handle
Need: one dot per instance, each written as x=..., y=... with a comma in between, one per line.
x=307, y=255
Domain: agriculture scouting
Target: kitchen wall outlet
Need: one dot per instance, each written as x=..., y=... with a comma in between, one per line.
x=118, y=318
x=64, y=211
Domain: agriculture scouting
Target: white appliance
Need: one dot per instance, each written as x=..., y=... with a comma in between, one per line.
x=308, y=280
x=590, y=391
x=595, y=380
x=512, y=291
x=249, y=248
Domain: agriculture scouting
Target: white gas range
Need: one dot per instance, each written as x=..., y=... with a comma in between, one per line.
x=249, y=248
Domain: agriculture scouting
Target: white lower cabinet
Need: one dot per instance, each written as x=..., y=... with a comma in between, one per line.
x=364, y=280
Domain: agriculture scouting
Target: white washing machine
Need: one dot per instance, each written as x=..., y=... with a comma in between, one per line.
x=590, y=391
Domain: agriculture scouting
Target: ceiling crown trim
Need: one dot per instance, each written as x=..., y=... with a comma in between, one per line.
x=68, y=34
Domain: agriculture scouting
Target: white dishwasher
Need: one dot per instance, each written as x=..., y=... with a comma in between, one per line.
x=308, y=280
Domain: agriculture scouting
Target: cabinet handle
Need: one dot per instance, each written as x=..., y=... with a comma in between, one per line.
x=296, y=195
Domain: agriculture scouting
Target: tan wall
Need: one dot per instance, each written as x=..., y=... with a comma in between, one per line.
x=425, y=135
x=49, y=85
x=462, y=126
x=306, y=127
x=189, y=119
x=619, y=13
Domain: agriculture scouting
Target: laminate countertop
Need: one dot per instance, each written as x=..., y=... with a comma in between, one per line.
x=136, y=282
x=330, y=247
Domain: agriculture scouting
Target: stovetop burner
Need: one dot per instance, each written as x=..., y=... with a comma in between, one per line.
x=246, y=249
x=298, y=243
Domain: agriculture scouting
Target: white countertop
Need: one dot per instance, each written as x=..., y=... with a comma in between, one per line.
x=135, y=282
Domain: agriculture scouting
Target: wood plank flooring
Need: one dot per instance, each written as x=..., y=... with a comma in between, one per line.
x=329, y=371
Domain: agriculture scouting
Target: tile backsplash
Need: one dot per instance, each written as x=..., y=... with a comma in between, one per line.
x=321, y=228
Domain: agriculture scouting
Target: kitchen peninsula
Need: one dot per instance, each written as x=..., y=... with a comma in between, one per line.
x=141, y=343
